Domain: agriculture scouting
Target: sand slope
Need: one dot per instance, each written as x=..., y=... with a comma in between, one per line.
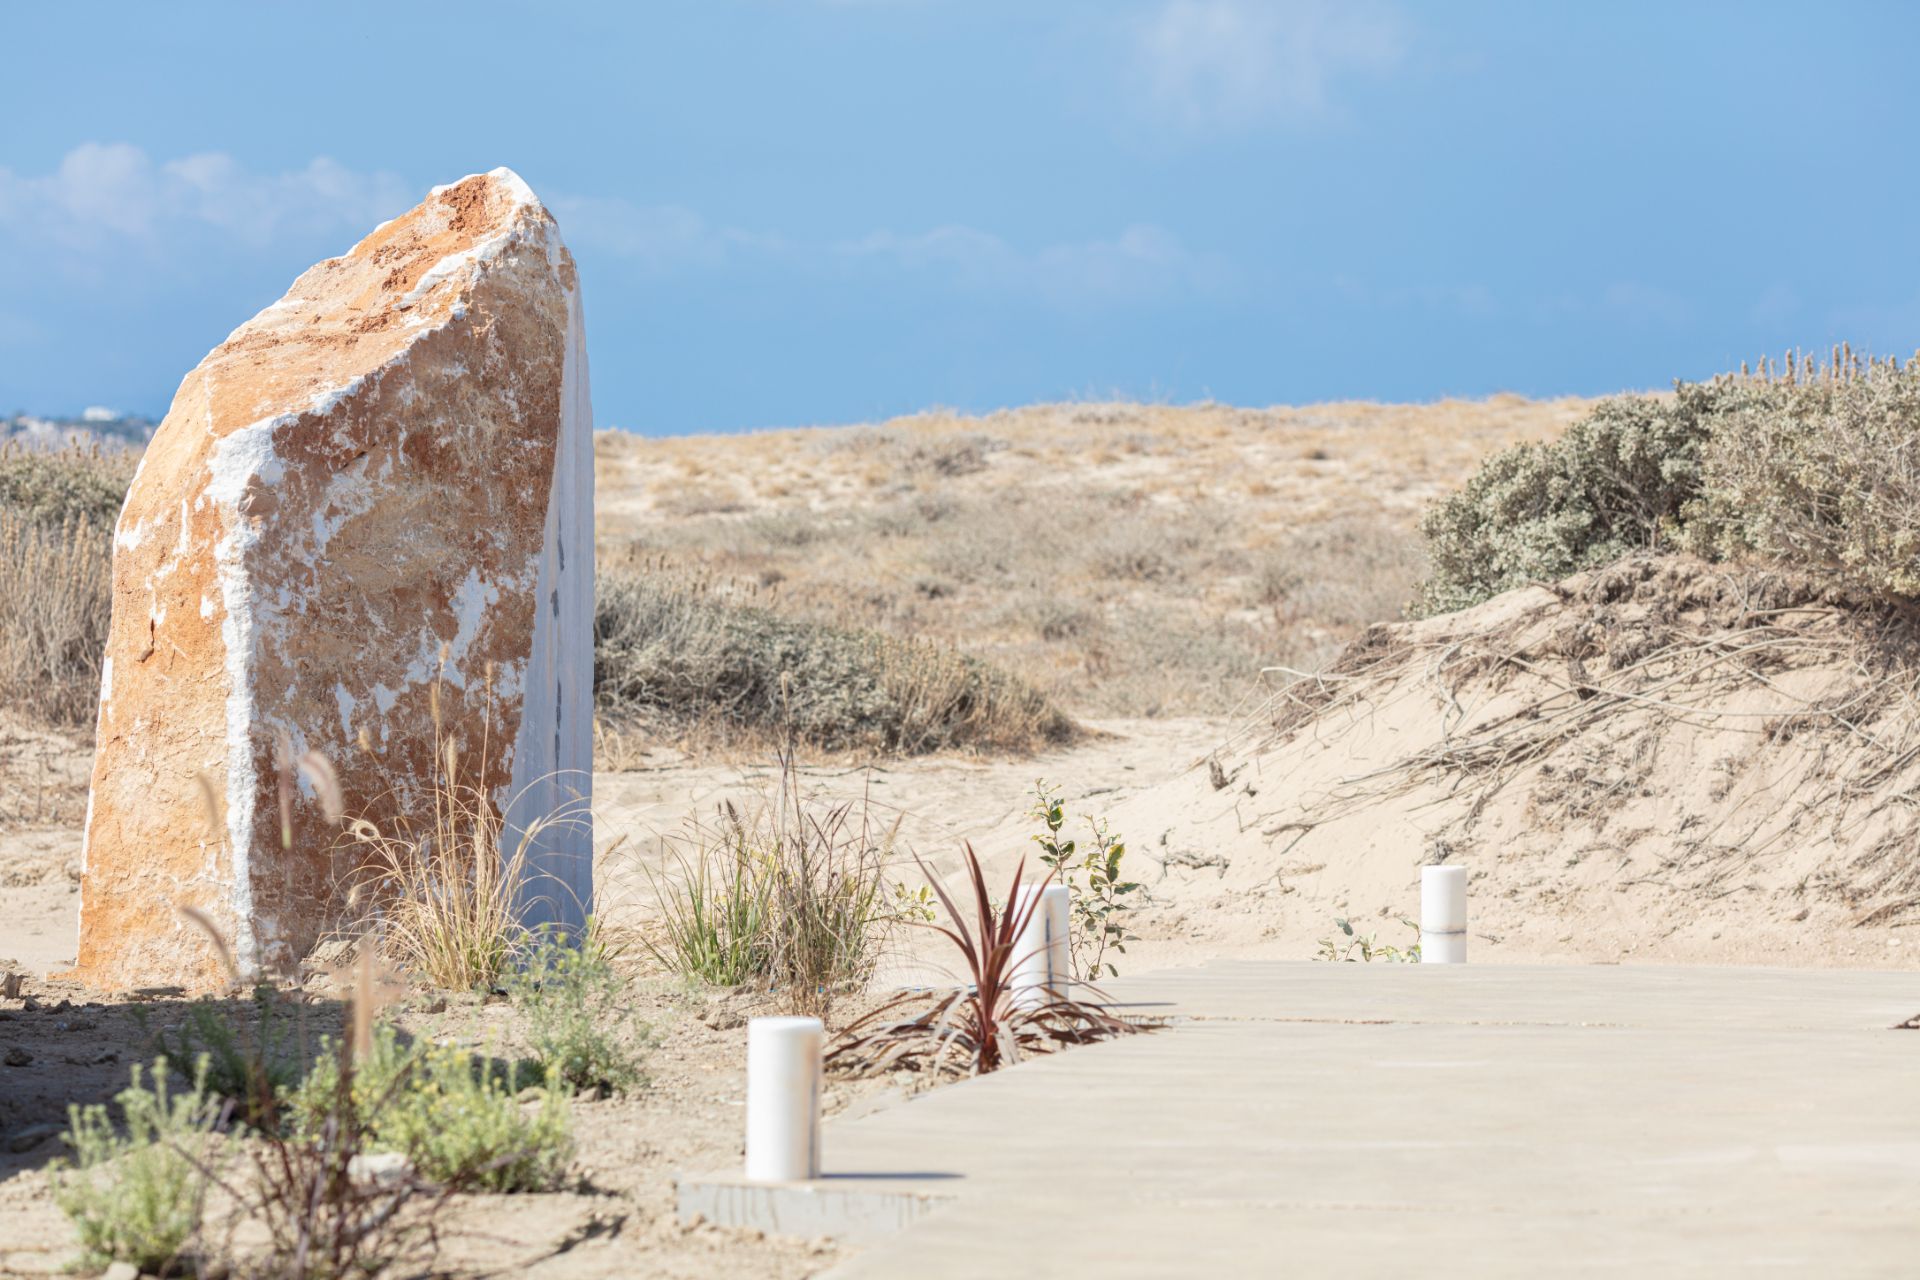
x=1655, y=761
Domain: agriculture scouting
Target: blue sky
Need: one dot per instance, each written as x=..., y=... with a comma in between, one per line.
x=800, y=211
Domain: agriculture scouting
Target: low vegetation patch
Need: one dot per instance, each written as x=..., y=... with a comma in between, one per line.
x=580, y=1025
x=57, y=512
x=787, y=895
x=689, y=657
x=456, y=1118
x=987, y=1023
x=136, y=1192
x=1813, y=469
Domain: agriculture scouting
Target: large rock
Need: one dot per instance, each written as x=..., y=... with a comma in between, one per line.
x=380, y=484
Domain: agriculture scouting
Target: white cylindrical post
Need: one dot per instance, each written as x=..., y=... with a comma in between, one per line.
x=1031, y=954
x=1057, y=903
x=1443, y=915
x=783, y=1099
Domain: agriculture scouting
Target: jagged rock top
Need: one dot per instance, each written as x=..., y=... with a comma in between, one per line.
x=347, y=316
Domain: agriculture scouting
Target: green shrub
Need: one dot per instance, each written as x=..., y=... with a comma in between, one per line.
x=249, y=1066
x=1822, y=477
x=459, y=1119
x=462, y=1123
x=580, y=1021
x=683, y=654
x=1817, y=472
x=138, y=1196
x=1615, y=483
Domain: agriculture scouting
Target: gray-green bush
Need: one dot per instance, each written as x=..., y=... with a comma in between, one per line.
x=458, y=1118
x=1615, y=483
x=137, y=1194
x=1815, y=472
x=1823, y=477
x=580, y=1019
x=679, y=653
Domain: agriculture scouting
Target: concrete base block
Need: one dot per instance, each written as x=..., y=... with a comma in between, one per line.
x=855, y=1209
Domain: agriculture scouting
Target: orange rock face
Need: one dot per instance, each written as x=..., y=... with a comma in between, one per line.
x=380, y=484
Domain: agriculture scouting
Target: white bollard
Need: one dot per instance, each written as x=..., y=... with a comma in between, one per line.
x=783, y=1099
x=1032, y=956
x=1443, y=915
x=1057, y=905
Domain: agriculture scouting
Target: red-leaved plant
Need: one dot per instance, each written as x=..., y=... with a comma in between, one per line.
x=980, y=1027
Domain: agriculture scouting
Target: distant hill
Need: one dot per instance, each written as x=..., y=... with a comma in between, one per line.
x=107, y=428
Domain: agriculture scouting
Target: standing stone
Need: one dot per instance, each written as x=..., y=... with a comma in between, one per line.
x=374, y=496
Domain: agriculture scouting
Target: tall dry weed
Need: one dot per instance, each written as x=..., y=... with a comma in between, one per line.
x=57, y=581
x=446, y=888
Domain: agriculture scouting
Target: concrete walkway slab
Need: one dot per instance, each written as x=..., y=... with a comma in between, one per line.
x=1391, y=1120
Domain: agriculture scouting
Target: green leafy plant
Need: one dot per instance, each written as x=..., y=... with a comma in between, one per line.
x=462, y=1123
x=138, y=1195
x=986, y=1024
x=580, y=1021
x=458, y=1119
x=1094, y=879
x=249, y=1067
x=1354, y=946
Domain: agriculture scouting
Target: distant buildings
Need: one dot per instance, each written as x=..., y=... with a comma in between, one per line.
x=107, y=428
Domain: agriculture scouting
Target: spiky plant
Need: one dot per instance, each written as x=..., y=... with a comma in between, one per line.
x=982, y=1026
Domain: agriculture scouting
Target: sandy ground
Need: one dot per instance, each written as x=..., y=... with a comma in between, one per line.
x=1218, y=882
x=63, y=1044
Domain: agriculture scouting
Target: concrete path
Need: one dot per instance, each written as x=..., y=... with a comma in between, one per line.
x=1387, y=1120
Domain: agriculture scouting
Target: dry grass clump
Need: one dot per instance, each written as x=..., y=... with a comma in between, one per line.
x=785, y=895
x=57, y=581
x=57, y=511
x=690, y=658
x=446, y=890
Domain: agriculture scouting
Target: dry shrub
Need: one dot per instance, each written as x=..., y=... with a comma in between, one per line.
x=689, y=657
x=55, y=486
x=445, y=889
x=57, y=581
x=56, y=574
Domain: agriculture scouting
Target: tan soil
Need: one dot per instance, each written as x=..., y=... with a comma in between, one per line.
x=689, y=1116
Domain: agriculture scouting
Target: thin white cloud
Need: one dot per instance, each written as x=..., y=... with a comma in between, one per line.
x=1214, y=63
x=1140, y=262
x=661, y=238
x=107, y=195
x=105, y=192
